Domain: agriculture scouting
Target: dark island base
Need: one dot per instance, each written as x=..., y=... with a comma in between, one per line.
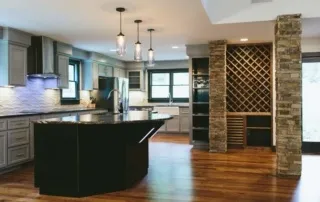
x=78, y=160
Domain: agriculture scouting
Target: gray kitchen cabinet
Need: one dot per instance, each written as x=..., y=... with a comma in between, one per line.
x=118, y=72
x=13, y=57
x=31, y=132
x=3, y=149
x=184, y=124
x=17, y=65
x=136, y=79
x=105, y=70
x=163, y=128
x=173, y=125
x=90, y=75
x=63, y=70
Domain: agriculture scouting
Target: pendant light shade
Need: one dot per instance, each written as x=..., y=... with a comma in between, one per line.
x=150, y=62
x=121, y=39
x=138, y=47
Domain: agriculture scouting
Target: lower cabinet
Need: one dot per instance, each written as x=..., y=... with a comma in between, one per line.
x=17, y=137
x=3, y=149
x=18, y=154
x=179, y=124
x=173, y=125
x=31, y=129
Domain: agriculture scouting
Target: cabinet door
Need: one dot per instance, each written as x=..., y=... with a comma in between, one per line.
x=102, y=70
x=116, y=72
x=3, y=149
x=31, y=133
x=123, y=73
x=184, y=124
x=173, y=124
x=17, y=65
x=163, y=128
x=95, y=75
x=109, y=71
x=63, y=69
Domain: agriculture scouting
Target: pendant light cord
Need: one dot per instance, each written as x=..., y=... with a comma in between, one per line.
x=138, y=32
x=150, y=39
x=120, y=22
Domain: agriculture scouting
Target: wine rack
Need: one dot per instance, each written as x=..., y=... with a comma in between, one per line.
x=249, y=78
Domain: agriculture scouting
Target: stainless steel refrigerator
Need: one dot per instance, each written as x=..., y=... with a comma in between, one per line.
x=113, y=94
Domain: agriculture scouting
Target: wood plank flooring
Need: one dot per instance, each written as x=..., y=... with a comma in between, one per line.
x=179, y=173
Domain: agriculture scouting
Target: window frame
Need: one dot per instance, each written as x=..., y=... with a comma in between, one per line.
x=171, y=72
x=75, y=100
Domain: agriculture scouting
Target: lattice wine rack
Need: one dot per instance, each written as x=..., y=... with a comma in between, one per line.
x=249, y=78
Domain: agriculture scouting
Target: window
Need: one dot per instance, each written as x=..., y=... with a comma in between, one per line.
x=163, y=83
x=71, y=95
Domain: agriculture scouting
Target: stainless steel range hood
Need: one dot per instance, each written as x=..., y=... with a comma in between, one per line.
x=41, y=58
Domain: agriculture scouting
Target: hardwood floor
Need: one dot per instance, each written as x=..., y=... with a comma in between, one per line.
x=179, y=173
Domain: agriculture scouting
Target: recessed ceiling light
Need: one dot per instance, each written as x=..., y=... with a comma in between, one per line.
x=175, y=47
x=113, y=50
x=244, y=39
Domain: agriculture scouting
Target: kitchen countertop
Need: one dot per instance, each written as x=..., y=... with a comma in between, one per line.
x=45, y=111
x=108, y=118
x=163, y=105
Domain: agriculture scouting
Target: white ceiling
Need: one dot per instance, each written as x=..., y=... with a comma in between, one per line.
x=93, y=25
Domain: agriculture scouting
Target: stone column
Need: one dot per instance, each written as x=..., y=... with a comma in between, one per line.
x=217, y=97
x=288, y=94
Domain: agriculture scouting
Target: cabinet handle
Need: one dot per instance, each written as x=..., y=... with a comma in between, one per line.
x=20, y=155
x=20, y=138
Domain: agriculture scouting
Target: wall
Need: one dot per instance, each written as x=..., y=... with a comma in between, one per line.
x=137, y=98
x=310, y=45
x=32, y=97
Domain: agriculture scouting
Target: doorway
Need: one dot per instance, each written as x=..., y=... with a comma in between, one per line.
x=310, y=103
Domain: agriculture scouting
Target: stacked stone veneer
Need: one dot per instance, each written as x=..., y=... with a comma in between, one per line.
x=217, y=97
x=288, y=94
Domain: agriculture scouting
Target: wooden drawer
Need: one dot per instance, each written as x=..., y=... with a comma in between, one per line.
x=18, y=123
x=3, y=125
x=18, y=154
x=184, y=111
x=18, y=137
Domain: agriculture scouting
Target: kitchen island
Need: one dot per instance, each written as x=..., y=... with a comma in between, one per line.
x=91, y=154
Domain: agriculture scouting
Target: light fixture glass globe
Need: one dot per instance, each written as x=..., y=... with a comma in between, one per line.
x=150, y=62
x=138, y=52
x=121, y=45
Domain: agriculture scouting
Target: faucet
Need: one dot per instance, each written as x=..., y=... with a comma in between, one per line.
x=170, y=99
x=120, y=106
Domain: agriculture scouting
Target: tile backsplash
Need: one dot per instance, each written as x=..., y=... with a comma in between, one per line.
x=33, y=96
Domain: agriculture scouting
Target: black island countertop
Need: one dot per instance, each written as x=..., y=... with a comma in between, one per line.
x=108, y=118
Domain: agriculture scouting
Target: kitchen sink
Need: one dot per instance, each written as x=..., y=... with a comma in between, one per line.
x=171, y=110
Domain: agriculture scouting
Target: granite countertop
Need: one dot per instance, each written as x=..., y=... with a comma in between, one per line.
x=108, y=118
x=162, y=105
x=44, y=111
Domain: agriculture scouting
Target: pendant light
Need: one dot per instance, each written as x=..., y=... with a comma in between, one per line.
x=121, y=39
x=150, y=51
x=138, y=47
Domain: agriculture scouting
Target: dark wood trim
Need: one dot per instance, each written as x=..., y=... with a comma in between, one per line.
x=76, y=100
x=170, y=71
x=274, y=148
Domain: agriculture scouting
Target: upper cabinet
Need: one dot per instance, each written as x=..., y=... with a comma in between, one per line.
x=62, y=53
x=105, y=70
x=136, y=79
x=63, y=65
x=13, y=57
x=118, y=72
x=90, y=75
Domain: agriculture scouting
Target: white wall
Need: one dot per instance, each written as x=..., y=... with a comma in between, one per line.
x=310, y=44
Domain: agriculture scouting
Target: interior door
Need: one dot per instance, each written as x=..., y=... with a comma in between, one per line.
x=310, y=104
